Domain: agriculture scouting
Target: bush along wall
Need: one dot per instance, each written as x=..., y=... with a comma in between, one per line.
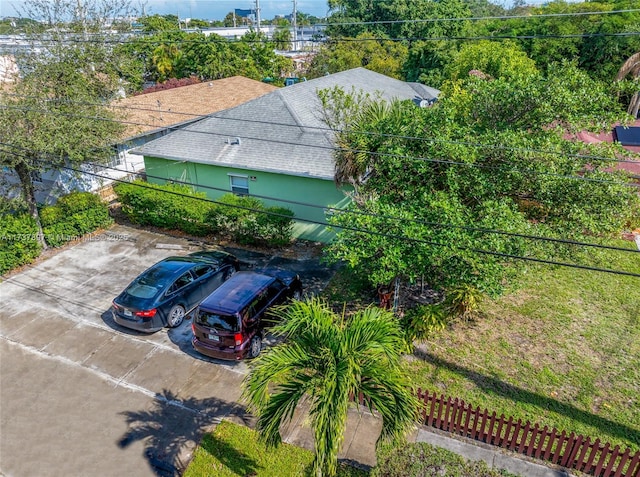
x=243, y=219
x=18, y=241
x=73, y=216
x=174, y=207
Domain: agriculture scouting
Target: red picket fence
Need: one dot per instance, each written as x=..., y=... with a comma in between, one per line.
x=569, y=451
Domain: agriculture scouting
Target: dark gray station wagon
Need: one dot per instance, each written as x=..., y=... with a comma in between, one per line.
x=166, y=292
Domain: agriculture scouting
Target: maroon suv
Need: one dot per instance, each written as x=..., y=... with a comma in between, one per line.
x=230, y=322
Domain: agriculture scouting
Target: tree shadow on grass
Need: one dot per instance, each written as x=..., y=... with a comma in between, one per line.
x=171, y=425
x=492, y=385
x=229, y=457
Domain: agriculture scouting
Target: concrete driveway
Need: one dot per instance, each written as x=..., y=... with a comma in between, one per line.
x=80, y=395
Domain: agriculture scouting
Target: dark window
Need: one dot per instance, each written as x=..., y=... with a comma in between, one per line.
x=218, y=322
x=200, y=270
x=258, y=304
x=275, y=288
x=181, y=282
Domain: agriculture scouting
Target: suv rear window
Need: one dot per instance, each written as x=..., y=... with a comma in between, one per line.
x=218, y=322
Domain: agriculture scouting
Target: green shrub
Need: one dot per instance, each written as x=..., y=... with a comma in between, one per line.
x=18, y=241
x=423, y=460
x=79, y=202
x=420, y=322
x=276, y=227
x=72, y=216
x=463, y=302
x=241, y=218
x=169, y=206
x=50, y=214
x=244, y=219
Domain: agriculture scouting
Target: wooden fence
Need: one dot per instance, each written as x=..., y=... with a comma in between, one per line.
x=569, y=451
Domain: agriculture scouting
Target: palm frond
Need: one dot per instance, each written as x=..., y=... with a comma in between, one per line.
x=631, y=66
x=328, y=358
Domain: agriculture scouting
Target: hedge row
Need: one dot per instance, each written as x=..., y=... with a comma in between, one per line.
x=245, y=220
x=73, y=216
x=18, y=241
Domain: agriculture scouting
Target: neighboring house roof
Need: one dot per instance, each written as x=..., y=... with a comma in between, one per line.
x=161, y=109
x=594, y=138
x=281, y=132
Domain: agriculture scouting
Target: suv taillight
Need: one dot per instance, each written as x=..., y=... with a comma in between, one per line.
x=238, y=338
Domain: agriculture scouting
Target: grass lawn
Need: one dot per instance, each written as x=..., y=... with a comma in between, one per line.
x=563, y=350
x=234, y=451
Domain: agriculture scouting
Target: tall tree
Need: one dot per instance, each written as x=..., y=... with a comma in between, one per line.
x=372, y=51
x=631, y=67
x=57, y=112
x=496, y=59
x=489, y=155
x=328, y=359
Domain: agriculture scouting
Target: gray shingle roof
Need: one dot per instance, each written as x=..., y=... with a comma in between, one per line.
x=279, y=132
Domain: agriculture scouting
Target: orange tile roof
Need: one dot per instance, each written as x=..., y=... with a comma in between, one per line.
x=165, y=108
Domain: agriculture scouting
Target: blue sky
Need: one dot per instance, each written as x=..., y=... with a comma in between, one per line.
x=205, y=9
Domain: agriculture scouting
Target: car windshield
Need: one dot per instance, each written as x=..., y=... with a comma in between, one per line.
x=218, y=322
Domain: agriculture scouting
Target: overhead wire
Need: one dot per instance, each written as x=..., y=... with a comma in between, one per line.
x=84, y=37
x=373, y=153
x=196, y=116
x=371, y=232
x=355, y=40
x=490, y=17
x=361, y=213
x=334, y=148
x=463, y=143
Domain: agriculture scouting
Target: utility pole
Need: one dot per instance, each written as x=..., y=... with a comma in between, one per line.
x=294, y=23
x=83, y=20
x=258, y=14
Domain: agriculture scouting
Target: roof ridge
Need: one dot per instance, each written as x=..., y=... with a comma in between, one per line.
x=291, y=110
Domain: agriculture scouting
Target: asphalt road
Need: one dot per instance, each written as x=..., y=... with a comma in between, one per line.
x=80, y=395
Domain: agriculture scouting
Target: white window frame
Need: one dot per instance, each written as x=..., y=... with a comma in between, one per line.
x=237, y=189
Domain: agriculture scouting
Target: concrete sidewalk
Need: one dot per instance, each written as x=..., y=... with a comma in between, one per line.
x=363, y=429
x=495, y=457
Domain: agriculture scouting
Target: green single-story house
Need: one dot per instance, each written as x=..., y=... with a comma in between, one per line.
x=276, y=148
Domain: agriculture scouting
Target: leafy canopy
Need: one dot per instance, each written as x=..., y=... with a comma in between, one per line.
x=490, y=155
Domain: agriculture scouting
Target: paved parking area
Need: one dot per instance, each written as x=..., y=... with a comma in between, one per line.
x=80, y=395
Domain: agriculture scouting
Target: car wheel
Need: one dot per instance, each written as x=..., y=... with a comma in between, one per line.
x=297, y=294
x=176, y=316
x=255, y=347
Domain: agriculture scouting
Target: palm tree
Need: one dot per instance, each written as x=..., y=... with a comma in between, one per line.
x=331, y=358
x=632, y=67
x=356, y=148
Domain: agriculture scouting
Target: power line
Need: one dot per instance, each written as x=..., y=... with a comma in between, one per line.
x=357, y=40
x=317, y=128
x=370, y=214
x=338, y=210
x=432, y=20
x=419, y=241
x=324, y=129
x=498, y=17
x=375, y=153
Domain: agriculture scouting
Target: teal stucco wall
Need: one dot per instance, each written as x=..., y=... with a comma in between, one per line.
x=305, y=196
